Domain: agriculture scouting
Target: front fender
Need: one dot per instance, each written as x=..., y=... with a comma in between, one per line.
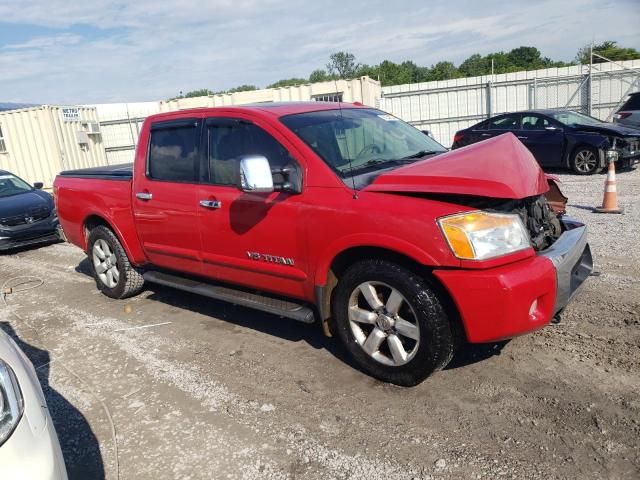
x=387, y=242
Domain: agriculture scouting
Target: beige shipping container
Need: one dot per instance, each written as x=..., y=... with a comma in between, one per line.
x=364, y=90
x=36, y=143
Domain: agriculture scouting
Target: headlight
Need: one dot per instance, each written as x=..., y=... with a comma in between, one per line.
x=11, y=402
x=482, y=235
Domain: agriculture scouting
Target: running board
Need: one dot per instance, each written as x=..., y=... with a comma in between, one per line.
x=276, y=306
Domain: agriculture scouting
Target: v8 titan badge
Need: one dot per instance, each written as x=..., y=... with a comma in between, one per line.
x=270, y=258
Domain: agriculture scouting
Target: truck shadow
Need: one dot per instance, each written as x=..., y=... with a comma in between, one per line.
x=470, y=353
x=79, y=444
x=285, y=328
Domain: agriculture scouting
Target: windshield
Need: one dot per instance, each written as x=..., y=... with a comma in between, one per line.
x=572, y=118
x=12, y=185
x=356, y=139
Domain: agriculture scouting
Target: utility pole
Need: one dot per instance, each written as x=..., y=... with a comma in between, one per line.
x=589, y=100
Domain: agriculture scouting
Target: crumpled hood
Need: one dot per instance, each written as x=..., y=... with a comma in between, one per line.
x=501, y=167
x=610, y=129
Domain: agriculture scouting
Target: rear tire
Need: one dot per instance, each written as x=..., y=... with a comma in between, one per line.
x=110, y=266
x=392, y=322
x=585, y=160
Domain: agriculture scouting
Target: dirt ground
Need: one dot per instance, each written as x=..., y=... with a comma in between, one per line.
x=225, y=392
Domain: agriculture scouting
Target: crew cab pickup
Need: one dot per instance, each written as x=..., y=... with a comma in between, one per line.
x=338, y=214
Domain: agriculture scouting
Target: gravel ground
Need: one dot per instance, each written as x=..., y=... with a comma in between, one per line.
x=225, y=392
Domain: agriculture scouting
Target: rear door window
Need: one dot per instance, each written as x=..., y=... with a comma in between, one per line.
x=173, y=152
x=534, y=122
x=509, y=122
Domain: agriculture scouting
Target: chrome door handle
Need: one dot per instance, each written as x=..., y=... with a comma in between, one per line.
x=522, y=138
x=144, y=196
x=485, y=134
x=211, y=203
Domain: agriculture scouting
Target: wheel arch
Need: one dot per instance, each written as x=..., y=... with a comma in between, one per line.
x=94, y=220
x=347, y=257
x=599, y=148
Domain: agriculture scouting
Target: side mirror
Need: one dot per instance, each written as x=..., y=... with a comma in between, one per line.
x=38, y=185
x=255, y=175
x=426, y=132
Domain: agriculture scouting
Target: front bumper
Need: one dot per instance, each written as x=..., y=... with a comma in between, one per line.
x=572, y=260
x=31, y=454
x=514, y=299
x=45, y=234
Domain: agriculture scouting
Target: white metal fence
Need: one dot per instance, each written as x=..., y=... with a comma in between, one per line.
x=447, y=106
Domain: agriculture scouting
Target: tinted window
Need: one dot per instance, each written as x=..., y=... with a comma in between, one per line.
x=481, y=126
x=510, y=122
x=632, y=103
x=534, y=122
x=230, y=140
x=173, y=154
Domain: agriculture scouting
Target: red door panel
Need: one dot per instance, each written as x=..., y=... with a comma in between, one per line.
x=164, y=200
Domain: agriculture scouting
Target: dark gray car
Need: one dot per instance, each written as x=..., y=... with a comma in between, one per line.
x=27, y=214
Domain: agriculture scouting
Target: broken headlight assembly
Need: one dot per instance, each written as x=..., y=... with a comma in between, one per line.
x=483, y=235
x=11, y=402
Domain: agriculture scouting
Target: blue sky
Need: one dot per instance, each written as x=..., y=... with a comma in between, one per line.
x=66, y=52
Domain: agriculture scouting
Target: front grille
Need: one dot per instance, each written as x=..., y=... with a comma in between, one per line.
x=542, y=223
x=33, y=215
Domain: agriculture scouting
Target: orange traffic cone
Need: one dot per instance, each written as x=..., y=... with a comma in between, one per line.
x=610, y=200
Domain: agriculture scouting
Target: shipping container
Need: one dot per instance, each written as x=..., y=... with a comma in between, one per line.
x=38, y=142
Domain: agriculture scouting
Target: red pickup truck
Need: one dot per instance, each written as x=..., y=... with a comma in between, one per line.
x=335, y=213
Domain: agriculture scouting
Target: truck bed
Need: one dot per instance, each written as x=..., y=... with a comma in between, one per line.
x=123, y=171
x=104, y=192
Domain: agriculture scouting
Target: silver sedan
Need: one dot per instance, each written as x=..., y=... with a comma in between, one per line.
x=29, y=447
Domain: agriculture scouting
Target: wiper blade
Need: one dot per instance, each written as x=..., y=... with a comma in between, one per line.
x=420, y=154
x=371, y=163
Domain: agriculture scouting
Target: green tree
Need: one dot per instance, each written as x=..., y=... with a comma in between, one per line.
x=203, y=92
x=288, y=82
x=343, y=64
x=525, y=58
x=608, y=49
x=443, y=71
x=319, y=75
x=474, y=66
x=242, y=88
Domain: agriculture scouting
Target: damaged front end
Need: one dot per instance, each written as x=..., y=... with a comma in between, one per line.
x=541, y=214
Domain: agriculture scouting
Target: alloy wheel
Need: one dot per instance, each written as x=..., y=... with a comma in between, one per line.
x=105, y=263
x=383, y=323
x=585, y=161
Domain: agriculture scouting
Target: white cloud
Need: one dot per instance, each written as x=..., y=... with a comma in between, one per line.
x=103, y=51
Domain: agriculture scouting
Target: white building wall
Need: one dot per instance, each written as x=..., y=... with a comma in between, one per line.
x=120, y=123
x=40, y=143
x=364, y=90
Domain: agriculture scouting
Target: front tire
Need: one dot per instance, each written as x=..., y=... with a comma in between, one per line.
x=392, y=322
x=110, y=266
x=585, y=160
